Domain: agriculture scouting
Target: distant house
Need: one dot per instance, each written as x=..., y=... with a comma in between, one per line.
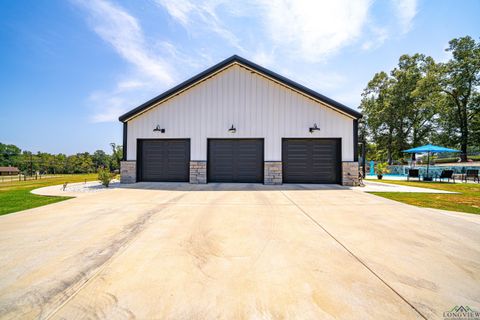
x=9, y=171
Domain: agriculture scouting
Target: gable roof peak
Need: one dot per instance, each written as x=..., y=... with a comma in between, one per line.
x=251, y=65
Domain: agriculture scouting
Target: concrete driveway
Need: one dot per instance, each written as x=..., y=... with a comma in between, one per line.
x=224, y=251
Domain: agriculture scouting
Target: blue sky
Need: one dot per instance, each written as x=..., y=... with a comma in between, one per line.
x=68, y=69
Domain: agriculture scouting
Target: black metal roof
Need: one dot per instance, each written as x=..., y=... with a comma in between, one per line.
x=251, y=65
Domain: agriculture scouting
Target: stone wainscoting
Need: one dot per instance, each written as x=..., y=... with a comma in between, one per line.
x=198, y=172
x=128, y=171
x=272, y=172
x=350, y=173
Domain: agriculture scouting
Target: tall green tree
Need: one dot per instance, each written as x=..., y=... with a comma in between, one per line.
x=60, y=164
x=379, y=116
x=414, y=99
x=101, y=159
x=117, y=154
x=9, y=155
x=398, y=108
x=459, y=81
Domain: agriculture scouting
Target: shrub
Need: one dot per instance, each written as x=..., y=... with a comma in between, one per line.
x=105, y=176
x=382, y=168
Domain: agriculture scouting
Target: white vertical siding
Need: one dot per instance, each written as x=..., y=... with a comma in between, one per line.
x=255, y=105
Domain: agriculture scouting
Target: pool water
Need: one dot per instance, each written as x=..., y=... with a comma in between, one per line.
x=388, y=176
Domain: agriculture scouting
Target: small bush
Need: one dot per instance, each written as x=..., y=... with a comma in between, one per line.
x=105, y=176
x=382, y=168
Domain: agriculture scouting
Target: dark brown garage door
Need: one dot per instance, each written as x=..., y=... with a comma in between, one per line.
x=165, y=160
x=311, y=160
x=235, y=160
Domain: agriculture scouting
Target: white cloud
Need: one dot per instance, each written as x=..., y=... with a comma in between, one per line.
x=351, y=97
x=200, y=16
x=130, y=91
x=150, y=69
x=405, y=10
x=314, y=29
x=130, y=84
x=112, y=107
x=121, y=30
x=179, y=9
x=264, y=58
x=309, y=30
x=377, y=38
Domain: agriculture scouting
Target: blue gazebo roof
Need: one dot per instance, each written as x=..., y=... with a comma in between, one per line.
x=430, y=148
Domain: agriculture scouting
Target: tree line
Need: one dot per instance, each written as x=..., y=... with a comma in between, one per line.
x=421, y=101
x=46, y=163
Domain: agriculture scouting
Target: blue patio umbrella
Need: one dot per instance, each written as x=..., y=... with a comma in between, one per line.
x=428, y=149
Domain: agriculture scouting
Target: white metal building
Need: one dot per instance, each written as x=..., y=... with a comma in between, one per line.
x=239, y=122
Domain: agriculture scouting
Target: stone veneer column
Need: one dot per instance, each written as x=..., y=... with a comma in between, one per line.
x=128, y=171
x=272, y=172
x=198, y=172
x=350, y=173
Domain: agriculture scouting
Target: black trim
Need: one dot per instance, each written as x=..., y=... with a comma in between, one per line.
x=139, y=159
x=355, y=140
x=125, y=135
x=251, y=65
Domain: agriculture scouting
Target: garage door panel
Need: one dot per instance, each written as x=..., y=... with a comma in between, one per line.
x=311, y=160
x=235, y=160
x=164, y=160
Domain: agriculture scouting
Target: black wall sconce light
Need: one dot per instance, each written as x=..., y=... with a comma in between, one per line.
x=232, y=129
x=314, y=128
x=158, y=129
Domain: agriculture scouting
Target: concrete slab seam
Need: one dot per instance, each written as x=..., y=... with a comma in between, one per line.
x=354, y=256
x=105, y=264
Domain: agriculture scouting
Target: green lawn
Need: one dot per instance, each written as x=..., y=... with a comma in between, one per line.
x=467, y=199
x=16, y=196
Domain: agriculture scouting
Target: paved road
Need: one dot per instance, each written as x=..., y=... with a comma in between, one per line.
x=222, y=251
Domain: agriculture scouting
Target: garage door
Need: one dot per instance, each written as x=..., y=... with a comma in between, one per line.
x=164, y=160
x=311, y=160
x=235, y=160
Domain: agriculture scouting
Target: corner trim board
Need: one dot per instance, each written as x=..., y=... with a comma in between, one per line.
x=355, y=140
x=125, y=139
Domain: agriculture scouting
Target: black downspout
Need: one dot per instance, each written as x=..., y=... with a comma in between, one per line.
x=364, y=160
x=124, y=147
x=355, y=140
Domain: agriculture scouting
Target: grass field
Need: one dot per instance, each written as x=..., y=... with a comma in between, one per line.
x=467, y=199
x=16, y=196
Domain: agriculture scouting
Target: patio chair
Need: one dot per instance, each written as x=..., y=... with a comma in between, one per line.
x=472, y=174
x=413, y=173
x=446, y=174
